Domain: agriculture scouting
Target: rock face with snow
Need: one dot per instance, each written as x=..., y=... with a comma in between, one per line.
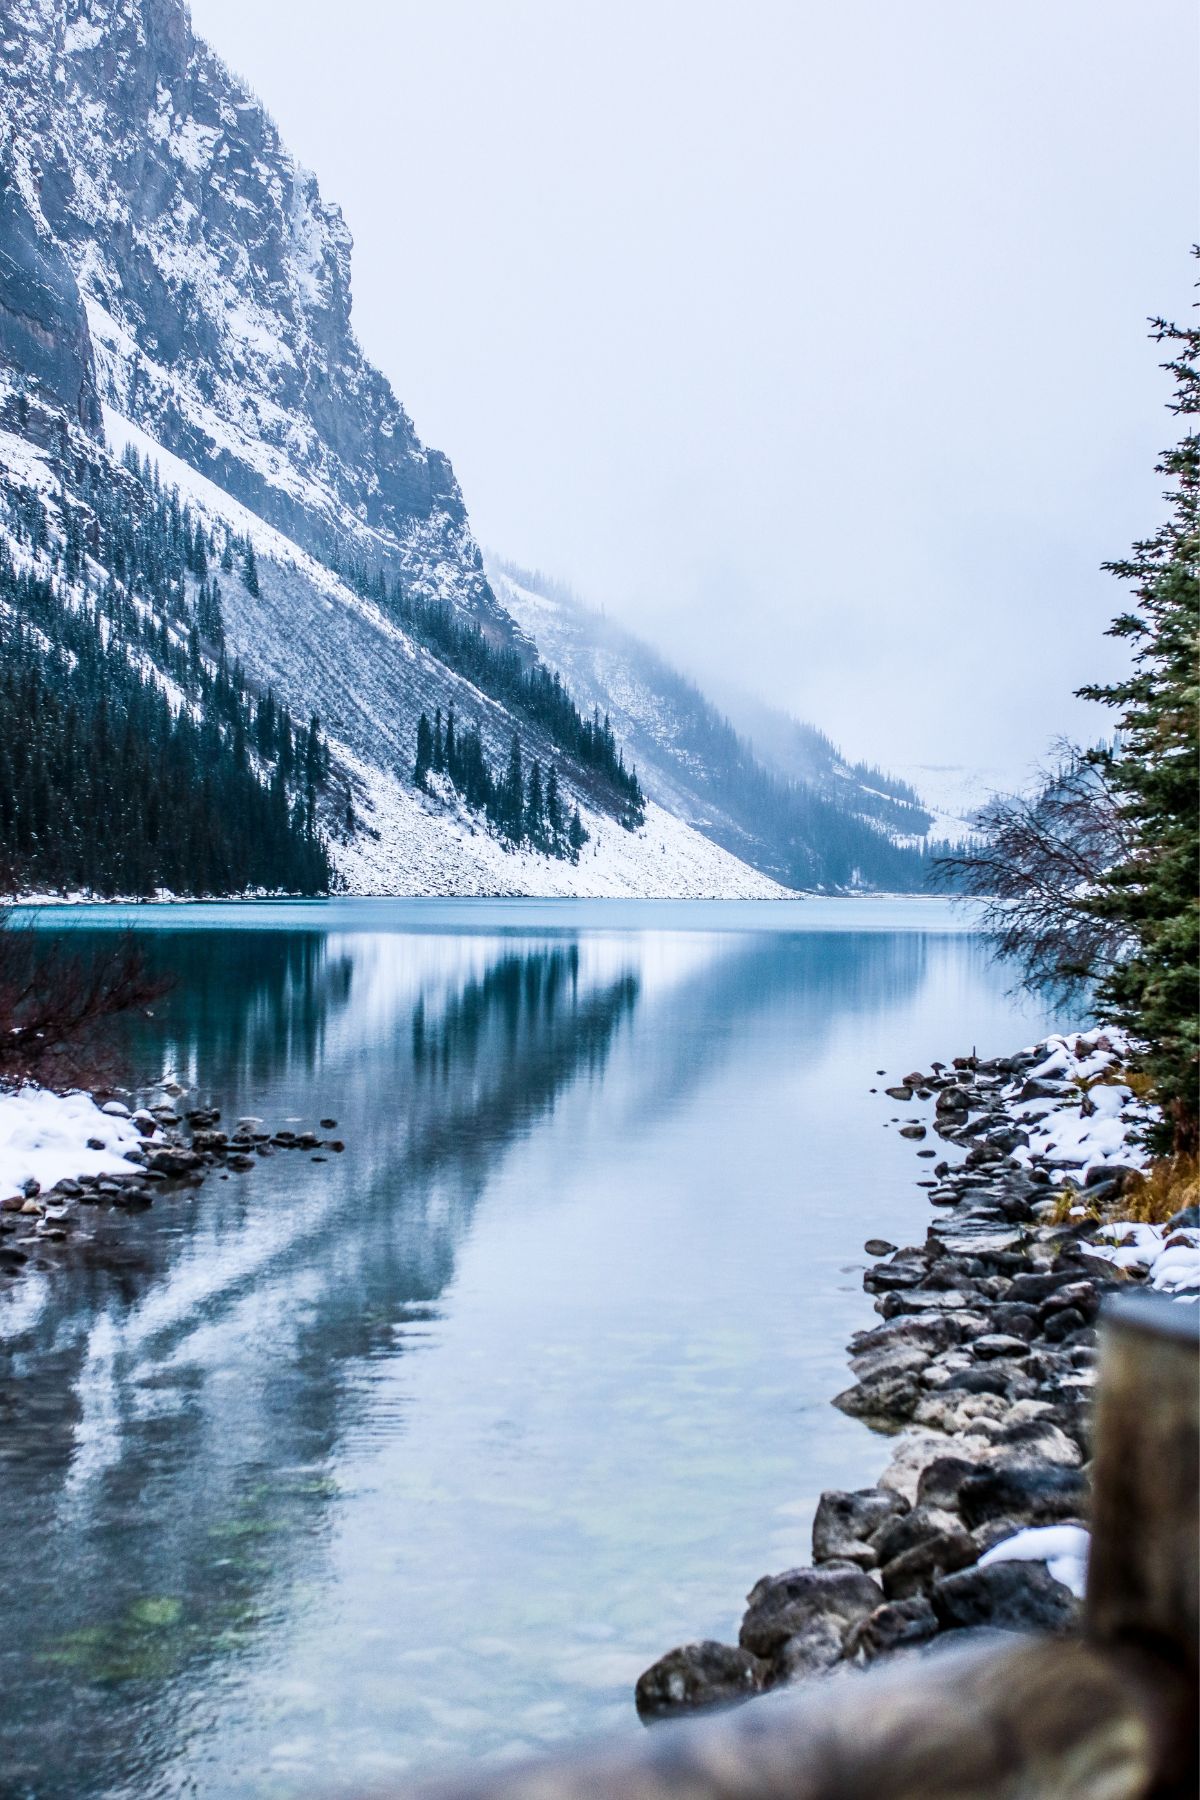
x=216, y=283
x=786, y=802
x=173, y=283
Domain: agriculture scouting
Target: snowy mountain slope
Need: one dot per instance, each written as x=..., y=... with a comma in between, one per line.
x=808, y=818
x=171, y=277
x=216, y=285
x=315, y=642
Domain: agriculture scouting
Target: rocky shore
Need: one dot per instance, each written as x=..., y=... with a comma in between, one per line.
x=980, y=1371
x=121, y=1155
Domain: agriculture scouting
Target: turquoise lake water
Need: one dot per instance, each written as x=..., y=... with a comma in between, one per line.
x=331, y=1473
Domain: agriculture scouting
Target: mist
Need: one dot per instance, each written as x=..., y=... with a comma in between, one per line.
x=808, y=341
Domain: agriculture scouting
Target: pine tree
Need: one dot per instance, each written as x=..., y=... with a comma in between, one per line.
x=1153, y=770
x=577, y=836
x=250, y=570
x=512, y=794
x=439, y=743
x=555, y=821
x=535, y=820
x=424, y=760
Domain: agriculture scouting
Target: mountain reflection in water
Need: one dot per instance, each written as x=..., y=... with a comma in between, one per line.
x=359, y=1465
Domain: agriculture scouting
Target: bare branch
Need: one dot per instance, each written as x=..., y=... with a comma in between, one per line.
x=1038, y=861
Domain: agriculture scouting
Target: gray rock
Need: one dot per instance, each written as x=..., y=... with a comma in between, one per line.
x=878, y=1247
x=916, y=1570
x=1036, y=1493
x=697, y=1676
x=1063, y=1324
x=782, y=1606
x=844, y=1523
x=810, y=1651
x=941, y=1481
x=1011, y=1596
x=890, y=1398
x=897, y=1625
x=995, y=1344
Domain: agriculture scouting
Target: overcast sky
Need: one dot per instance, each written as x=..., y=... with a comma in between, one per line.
x=808, y=339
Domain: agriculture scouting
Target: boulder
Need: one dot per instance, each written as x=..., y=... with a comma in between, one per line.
x=1036, y=1493
x=940, y=1482
x=892, y=1399
x=811, y=1650
x=781, y=1606
x=845, y=1522
x=912, y=1526
x=697, y=1676
x=897, y=1625
x=878, y=1247
x=1008, y=1596
x=916, y=1570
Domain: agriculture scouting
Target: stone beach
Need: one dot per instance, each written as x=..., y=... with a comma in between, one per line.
x=980, y=1373
x=163, y=1148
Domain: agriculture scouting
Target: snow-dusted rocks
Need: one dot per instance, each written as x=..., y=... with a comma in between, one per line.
x=47, y=1137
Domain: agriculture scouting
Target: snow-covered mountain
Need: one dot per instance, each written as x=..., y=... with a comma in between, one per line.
x=216, y=285
x=174, y=289
x=770, y=789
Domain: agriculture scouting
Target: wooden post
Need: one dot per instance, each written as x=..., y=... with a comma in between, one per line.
x=1144, y=1569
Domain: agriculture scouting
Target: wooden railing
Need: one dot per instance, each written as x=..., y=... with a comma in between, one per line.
x=1108, y=1715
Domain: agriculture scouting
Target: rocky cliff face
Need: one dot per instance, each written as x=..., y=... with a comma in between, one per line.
x=43, y=325
x=145, y=188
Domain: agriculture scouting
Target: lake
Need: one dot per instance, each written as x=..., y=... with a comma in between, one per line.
x=332, y=1472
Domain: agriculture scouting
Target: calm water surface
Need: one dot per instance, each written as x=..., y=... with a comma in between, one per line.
x=333, y=1472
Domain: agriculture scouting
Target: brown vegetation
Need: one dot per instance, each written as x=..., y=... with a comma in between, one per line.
x=55, y=1006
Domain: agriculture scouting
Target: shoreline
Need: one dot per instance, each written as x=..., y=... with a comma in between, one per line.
x=63, y=1153
x=980, y=1371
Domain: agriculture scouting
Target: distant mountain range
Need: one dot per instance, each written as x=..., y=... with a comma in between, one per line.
x=200, y=472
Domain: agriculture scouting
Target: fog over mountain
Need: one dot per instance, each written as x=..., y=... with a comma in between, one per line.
x=824, y=320
x=240, y=593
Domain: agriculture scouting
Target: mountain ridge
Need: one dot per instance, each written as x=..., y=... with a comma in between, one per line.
x=174, y=285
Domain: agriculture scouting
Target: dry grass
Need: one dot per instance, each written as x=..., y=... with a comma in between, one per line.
x=1149, y=1198
x=1136, y=1080
x=1165, y=1189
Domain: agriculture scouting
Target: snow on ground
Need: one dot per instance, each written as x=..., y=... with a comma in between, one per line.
x=1170, y=1258
x=416, y=846
x=1096, y=1126
x=1063, y=1549
x=1095, y=1123
x=44, y=1137
x=422, y=846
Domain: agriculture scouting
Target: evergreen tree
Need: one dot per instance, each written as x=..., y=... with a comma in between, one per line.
x=535, y=818
x=439, y=744
x=555, y=822
x=451, y=750
x=1151, y=893
x=250, y=570
x=577, y=835
x=424, y=760
x=512, y=794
